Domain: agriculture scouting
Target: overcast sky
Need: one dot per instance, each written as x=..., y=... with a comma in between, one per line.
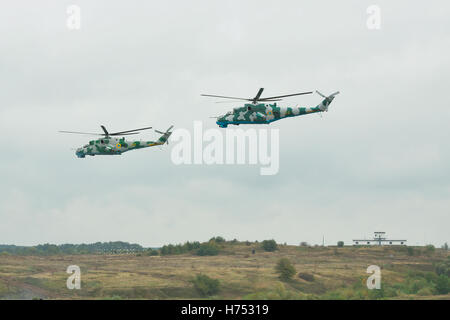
x=377, y=161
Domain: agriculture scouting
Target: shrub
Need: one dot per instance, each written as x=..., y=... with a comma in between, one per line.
x=151, y=252
x=340, y=244
x=443, y=268
x=376, y=293
x=429, y=249
x=445, y=246
x=416, y=284
x=277, y=293
x=205, y=285
x=179, y=248
x=217, y=239
x=306, y=276
x=390, y=292
x=285, y=269
x=269, y=245
x=443, y=284
x=425, y=292
x=410, y=251
x=208, y=249
x=304, y=244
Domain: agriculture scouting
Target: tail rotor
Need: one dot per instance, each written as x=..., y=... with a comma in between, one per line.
x=165, y=135
x=325, y=103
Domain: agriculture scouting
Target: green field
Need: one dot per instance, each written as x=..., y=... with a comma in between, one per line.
x=321, y=273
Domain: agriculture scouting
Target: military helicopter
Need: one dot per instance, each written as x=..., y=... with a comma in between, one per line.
x=110, y=145
x=258, y=111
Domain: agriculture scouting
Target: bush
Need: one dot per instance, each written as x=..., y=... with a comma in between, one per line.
x=285, y=269
x=410, y=251
x=208, y=249
x=376, y=293
x=416, y=284
x=269, y=245
x=429, y=249
x=277, y=293
x=340, y=244
x=151, y=252
x=443, y=268
x=425, y=292
x=443, y=284
x=445, y=246
x=179, y=248
x=205, y=285
x=306, y=276
x=217, y=240
x=304, y=244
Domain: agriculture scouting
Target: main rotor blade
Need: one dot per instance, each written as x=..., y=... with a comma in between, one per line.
x=225, y=97
x=256, y=98
x=92, y=134
x=121, y=132
x=231, y=101
x=235, y=101
x=104, y=130
x=265, y=100
x=288, y=95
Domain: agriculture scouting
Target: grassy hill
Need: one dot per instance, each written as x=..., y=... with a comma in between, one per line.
x=321, y=273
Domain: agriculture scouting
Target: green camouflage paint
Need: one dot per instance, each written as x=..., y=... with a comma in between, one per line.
x=117, y=146
x=266, y=113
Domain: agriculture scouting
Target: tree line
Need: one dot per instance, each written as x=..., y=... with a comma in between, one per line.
x=114, y=247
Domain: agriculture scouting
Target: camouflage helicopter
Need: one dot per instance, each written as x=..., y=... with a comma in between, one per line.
x=110, y=145
x=258, y=111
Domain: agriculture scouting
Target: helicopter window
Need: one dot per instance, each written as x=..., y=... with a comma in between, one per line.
x=102, y=142
x=249, y=108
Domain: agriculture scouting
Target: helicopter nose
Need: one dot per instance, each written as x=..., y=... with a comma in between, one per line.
x=221, y=124
x=80, y=154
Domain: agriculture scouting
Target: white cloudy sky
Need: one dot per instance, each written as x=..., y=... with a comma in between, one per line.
x=379, y=160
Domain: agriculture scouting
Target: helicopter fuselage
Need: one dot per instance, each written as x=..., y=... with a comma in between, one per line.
x=113, y=146
x=267, y=113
